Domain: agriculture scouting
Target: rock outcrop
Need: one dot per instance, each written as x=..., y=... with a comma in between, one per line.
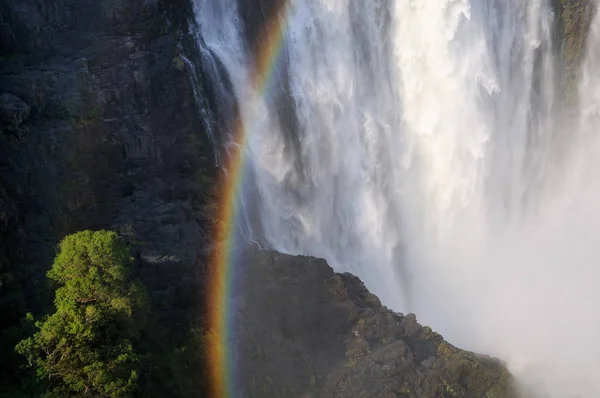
x=573, y=19
x=306, y=331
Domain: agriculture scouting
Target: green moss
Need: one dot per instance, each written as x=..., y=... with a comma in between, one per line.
x=178, y=63
x=448, y=389
x=444, y=350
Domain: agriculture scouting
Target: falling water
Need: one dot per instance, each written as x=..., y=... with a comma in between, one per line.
x=414, y=143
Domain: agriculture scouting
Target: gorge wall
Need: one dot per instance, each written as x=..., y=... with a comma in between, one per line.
x=574, y=18
x=100, y=128
x=111, y=138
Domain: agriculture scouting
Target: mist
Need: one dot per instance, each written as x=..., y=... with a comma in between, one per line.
x=524, y=289
x=424, y=146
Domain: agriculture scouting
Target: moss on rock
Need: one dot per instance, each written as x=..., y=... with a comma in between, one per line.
x=325, y=335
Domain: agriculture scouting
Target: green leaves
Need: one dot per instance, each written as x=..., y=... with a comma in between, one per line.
x=87, y=346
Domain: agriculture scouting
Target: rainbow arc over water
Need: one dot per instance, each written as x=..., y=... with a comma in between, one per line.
x=267, y=51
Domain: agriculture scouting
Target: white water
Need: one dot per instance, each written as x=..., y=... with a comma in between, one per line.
x=427, y=160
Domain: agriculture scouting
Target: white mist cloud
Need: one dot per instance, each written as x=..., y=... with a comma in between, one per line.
x=529, y=291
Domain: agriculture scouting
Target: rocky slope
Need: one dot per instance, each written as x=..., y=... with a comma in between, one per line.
x=308, y=332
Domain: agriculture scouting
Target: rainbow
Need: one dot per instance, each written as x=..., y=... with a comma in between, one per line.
x=222, y=377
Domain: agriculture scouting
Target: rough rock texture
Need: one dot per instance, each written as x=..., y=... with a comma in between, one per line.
x=99, y=128
x=13, y=111
x=573, y=22
x=308, y=332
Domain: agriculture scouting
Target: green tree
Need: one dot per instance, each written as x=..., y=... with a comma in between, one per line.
x=87, y=347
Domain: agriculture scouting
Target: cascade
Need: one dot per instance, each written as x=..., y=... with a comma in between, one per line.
x=421, y=146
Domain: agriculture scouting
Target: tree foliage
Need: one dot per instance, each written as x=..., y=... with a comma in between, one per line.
x=88, y=346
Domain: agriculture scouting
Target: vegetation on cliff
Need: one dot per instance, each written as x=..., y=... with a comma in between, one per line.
x=99, y=129
x=88, y=346
x=102, y=339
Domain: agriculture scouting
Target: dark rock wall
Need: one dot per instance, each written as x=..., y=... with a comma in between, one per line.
x=112, y=140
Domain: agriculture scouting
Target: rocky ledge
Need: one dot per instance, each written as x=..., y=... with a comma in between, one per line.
x=306, y=331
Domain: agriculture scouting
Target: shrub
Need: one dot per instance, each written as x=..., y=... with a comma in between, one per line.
x=88, y=345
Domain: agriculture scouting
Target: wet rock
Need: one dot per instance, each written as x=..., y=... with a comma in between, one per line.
x=573, y=19
x=308, y=332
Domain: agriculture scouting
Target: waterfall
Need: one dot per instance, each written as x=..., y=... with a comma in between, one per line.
x=417, y=145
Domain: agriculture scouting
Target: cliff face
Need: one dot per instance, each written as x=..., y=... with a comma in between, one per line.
x=100, y=128
x=573, y=19
x=108, y=136
x=308, y=332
